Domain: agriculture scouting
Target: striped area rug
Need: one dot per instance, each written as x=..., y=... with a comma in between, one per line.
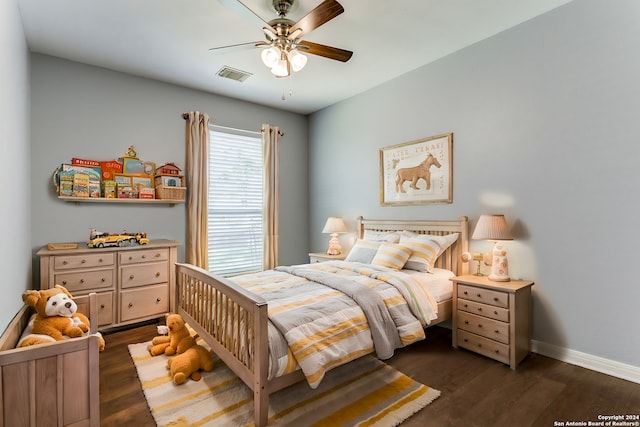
x=366, y=392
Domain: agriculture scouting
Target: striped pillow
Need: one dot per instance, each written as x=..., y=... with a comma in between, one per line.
x=426, y=249
x=392, y=255
x=363, y=251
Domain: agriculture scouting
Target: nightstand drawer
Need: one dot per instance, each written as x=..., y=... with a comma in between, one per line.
x=486, y=296
x=484, y=346
x=480, y=309
x=489, y=328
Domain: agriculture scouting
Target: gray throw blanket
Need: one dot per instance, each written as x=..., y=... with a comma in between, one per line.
x=383, y=329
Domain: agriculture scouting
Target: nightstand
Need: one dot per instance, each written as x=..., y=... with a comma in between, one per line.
x=322, y=256
x=492, y=318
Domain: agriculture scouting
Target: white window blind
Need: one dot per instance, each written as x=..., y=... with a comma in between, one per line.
x=235, y=203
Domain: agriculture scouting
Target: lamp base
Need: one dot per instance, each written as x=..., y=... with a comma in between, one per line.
x=499, y=264
x=334, y=245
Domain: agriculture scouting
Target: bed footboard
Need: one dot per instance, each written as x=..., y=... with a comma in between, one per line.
x=233, y=322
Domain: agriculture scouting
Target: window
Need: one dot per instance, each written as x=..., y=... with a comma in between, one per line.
x=235, y=202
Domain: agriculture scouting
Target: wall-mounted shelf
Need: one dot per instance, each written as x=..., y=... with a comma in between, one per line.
x=105, y=200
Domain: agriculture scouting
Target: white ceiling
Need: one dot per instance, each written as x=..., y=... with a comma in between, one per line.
x=169, y=40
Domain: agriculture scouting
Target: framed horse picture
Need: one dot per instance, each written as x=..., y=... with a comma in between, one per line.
x=417, y=172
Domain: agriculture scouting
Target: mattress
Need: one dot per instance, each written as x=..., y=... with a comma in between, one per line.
x=438, y=283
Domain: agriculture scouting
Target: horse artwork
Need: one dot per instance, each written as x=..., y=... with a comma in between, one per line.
x=416, y=173
x=429, y=159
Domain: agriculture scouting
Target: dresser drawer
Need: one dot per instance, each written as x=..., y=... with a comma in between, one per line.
x=105, y=307
x=484, y=346
x=486, y=296
x=144, y=274
x=147, y=255
x=480, y=309
x=85, y=281
x=486, y=327
x=144, y=302
x=67, y=262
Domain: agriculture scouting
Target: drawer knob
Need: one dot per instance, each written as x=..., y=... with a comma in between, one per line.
x=466, y=322
x=81, y=280
x=157, y=255
x=100, y=260
x=158, y=300
x=102, y=306
x=64, y=282
x=495, y=312
x=130, y=304
x=479, y=325
x=103, y=280
x=83, y=261
x=496, y=331
x=144, y=256
x=131, y=277
x=466, y=306
x=466, y=293
x=495, y=299
x=479, y=308
x=479, y=295
x=158, y=274
x=466, y=340
x=497, y=351
x=480, y=345
x=64, y=262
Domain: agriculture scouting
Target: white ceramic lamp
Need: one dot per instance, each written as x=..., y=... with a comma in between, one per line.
x=494, y=228
x=334, y=226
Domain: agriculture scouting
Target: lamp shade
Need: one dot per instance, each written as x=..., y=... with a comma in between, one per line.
x=334, y=225
x=491, y=227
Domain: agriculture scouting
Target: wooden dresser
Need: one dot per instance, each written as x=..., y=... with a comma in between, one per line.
x=133, y=283
x=492, y=318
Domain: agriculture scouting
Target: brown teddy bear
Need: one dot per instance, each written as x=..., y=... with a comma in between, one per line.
x=172, y=343
x=56, y=316
x=188, y=363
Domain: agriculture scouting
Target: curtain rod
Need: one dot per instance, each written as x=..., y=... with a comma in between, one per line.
x=186, y=116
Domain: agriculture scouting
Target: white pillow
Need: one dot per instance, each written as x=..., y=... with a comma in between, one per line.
x=363, y=251
x=392, y=255
x=381, y=236
x=426, y=249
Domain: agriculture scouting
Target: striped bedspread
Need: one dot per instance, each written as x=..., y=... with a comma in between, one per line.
x=326, y=314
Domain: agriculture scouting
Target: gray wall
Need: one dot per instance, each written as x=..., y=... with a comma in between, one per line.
x=545, y=117
x=93, y=113
x=15, y=172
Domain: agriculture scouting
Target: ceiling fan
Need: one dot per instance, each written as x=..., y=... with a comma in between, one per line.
x=283, y=50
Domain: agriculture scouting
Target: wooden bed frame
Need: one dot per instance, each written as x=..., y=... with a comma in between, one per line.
x=233, y=321
x=52, y=384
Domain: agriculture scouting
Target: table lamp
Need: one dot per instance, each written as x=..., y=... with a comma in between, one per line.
x=334, y=226
x=494, y=228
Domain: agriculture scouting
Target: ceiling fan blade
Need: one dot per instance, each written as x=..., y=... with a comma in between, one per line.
x=245, y=11
x=326, y=51
x=323, y=13
x=239, y=46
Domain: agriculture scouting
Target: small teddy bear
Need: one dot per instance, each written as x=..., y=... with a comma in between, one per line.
x=190, y=362
x=171, y=343
x=56, y=316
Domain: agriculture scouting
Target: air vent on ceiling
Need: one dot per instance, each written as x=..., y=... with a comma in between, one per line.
x=233, y=74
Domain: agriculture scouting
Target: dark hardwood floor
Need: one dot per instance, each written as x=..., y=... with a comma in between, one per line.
x=476, y=391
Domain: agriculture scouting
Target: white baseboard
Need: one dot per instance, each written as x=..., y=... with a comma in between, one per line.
x=595, y=363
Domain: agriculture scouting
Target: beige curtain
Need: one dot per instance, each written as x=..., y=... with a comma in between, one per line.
x=197, y=176
x=271, y=196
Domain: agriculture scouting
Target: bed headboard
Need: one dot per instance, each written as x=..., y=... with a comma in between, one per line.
x=451, y=258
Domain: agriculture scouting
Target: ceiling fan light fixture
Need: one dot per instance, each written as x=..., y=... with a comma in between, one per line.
x=281, y=68
x=270, y=56
x=297, y=60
